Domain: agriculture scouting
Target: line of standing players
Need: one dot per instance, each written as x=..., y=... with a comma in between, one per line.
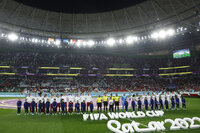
x=155, y=101
x=63, y=103
x=56, y=103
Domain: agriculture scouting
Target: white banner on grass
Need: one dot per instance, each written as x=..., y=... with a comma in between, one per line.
x=177, y=124
x=123, y=115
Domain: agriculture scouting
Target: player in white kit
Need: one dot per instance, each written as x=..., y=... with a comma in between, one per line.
x=168, y=96
x=40, y=98
x=44, y=102
x=36, y=101
x=82, y=98
x=71, y=98
x=88, y=99
x=58, y=99
x=173, y=94
x=76, y=98
x=148, y=98
x=153, y=96
x=179, y=97
x=157, y=96
x=64, y=97
x=29, y=100
x=136, y=98
x=162, y=97
x=132, y=101
x=51, y=99
x=143, y=98
x=132, y=98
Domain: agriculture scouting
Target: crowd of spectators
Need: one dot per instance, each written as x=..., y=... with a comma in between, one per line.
x=93, y=84
x=99, y=84
x=89, y=60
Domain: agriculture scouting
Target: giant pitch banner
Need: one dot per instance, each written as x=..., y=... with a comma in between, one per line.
x=116, y=126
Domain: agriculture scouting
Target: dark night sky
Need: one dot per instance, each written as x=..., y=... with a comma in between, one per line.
x=80, y=6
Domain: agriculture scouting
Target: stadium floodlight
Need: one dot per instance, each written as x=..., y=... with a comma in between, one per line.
x=111, y=41
x=36, y=40
x=170, y=32
x=21, y=38
x=129, y=39
x=135, y=38
x=57, y=42
x=149, y=36
x=33, y=39
x=162, y=34
x=155, y=35
x=84, y=43
x=12, y=36
x=90, y=43
x=120, y=41
x=78, y=43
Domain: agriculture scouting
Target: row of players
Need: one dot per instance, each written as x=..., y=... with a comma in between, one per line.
x=50, y=104
x=145, y=101
x=82, y=102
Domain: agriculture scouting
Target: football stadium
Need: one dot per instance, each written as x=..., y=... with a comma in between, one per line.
x=101, y=66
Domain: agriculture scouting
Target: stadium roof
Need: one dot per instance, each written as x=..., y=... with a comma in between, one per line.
x=142, y=17
x=80, y=6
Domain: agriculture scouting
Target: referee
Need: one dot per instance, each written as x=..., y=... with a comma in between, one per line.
x=105, y=102
x=116, y=99
x=99, y=103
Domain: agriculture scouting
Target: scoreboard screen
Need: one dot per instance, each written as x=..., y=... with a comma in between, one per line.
x=181, y=53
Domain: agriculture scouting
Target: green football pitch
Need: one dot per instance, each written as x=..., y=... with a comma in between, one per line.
x=11, y=123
